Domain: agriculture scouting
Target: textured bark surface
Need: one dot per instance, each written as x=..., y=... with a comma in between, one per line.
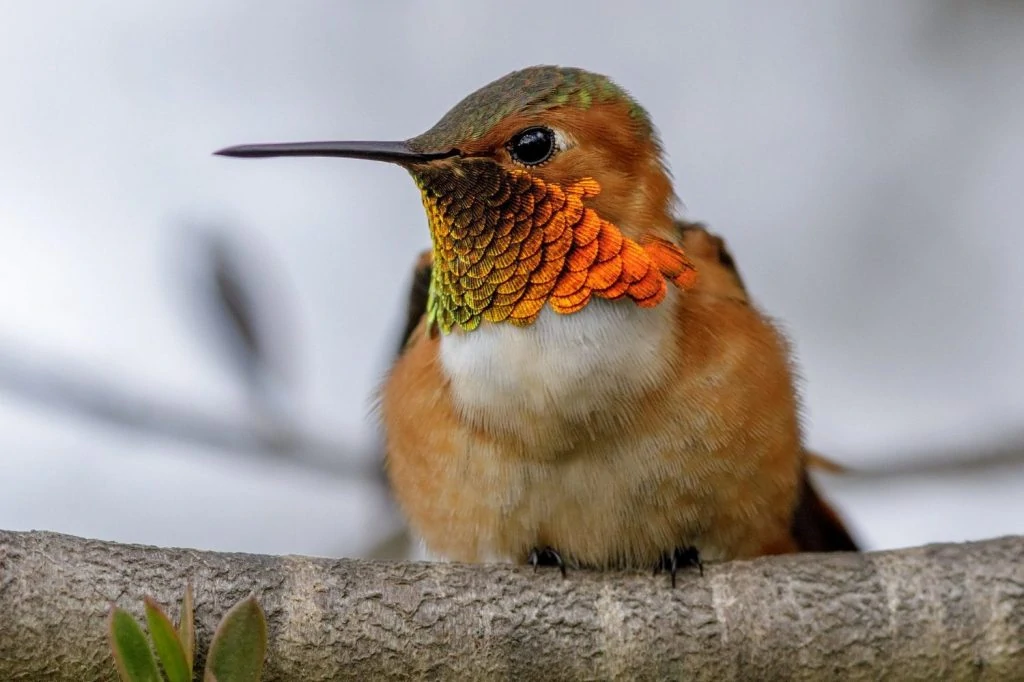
x=941, y=612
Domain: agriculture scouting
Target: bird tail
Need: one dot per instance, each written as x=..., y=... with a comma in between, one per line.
x=816, y=526
x=816, y=460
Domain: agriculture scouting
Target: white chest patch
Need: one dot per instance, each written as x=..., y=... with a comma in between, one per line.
x=562, y=366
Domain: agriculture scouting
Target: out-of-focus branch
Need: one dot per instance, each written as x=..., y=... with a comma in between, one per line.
x=76, y=393
x=997, y=453
x=945, y=612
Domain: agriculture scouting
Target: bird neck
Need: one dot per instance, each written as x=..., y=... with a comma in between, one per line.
x=507, y=243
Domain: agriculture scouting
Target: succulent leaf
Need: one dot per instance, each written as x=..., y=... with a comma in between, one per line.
x=132, y=655
x=239, y=645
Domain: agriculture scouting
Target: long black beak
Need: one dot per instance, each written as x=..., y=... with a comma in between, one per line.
x=392, y=152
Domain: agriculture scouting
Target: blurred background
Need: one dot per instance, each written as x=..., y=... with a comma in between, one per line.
x=190, y=345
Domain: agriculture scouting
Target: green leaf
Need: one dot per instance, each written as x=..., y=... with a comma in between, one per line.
x=134, y=658
x=168, y=646
x=239, y=645
x=187, y=627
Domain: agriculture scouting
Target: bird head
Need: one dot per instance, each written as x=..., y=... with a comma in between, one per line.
x=546, y=186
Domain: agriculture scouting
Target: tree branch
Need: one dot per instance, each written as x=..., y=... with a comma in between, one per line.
x=938, y=612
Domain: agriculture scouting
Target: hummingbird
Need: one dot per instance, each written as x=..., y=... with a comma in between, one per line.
x=584, y=380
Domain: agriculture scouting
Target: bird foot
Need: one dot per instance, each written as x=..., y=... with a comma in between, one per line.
x=546, y=556
x=680, y=557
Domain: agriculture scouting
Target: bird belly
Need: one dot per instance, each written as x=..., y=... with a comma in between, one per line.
x=582, y=433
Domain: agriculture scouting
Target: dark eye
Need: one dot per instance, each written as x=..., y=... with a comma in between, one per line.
x=532, y=146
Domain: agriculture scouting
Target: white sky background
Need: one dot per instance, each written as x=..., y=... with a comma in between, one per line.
x=864, y=161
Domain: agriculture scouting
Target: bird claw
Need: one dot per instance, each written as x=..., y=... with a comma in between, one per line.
x=680, y=557
x=546, y=556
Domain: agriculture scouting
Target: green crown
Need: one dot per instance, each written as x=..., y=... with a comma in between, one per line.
x=532, y=89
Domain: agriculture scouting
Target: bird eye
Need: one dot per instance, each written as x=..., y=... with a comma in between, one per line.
x=532, y=146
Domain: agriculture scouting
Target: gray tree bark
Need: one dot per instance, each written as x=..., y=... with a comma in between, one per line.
x=940, y=612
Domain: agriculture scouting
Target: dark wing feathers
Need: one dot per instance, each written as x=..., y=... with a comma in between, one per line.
x=419, y=287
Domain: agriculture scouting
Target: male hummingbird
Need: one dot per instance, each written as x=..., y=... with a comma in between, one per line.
x=585, y=381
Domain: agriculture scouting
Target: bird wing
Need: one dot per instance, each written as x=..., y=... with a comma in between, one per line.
x=816, y=526
x=416, y=306
x=716, y=272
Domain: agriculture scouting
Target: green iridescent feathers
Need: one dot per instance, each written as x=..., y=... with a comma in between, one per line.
x=532, y=89
x=507, y=244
